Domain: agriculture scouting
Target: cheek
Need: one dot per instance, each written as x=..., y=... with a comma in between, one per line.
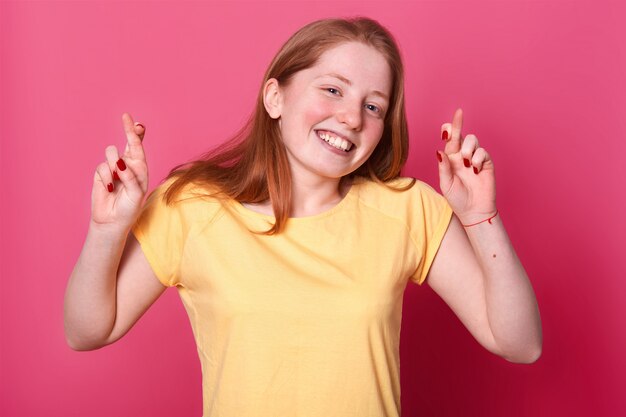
x=376, y=129
x=315, y=112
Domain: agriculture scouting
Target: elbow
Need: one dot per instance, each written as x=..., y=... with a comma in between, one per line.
x=527, y=358
x=527, y=352
x=75, y=346
x=80, y=345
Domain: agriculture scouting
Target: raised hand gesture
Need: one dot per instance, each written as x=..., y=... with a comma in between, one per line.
x=466, y=174
x=120, y=183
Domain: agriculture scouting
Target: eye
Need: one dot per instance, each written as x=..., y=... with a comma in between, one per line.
x=373, y=108
x=333, y=91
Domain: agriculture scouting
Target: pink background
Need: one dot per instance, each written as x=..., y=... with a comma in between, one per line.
x=541, y=85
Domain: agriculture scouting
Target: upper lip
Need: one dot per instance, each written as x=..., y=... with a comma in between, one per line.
x=339, y=135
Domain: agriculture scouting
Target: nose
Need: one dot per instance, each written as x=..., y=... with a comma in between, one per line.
x=351, y=115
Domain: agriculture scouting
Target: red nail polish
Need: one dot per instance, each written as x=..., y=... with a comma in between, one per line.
x=115, y=176
x=475, y=170
x=121, y=165
x=444, y=135
x=110, y=187
x=439, y=156
x=466, y=162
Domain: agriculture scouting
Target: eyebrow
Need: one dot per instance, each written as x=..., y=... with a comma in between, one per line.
x=347, y=81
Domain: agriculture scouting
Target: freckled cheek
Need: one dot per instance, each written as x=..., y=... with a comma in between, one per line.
x=317, y=112
x=376, y=129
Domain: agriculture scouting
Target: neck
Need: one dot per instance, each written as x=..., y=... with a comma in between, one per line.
x=311, y=196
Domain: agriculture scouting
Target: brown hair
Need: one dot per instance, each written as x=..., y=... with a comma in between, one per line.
x=252, y=166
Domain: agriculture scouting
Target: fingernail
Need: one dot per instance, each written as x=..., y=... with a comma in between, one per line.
x=139, y=124
x=444, y=135
x=466, y=162
x=110, y=187
x=121, y=165
x=115, y=176
x=475, y=170
x=439, y=156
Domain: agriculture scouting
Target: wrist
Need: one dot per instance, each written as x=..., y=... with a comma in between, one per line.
x=110, y=232
x=476, y=219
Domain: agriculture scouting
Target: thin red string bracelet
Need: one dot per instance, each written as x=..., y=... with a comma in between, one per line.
x=486, y=220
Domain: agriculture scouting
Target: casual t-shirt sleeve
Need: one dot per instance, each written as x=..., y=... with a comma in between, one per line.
x=432, y=217
x=159, y=231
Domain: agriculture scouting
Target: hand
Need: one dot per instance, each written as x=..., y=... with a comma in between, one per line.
x=469, y=187
x=117, y=194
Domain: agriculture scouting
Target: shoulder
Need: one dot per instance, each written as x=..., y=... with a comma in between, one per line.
x=401, y=190
x=407, y=199
x=186, y=198
x=180, y=191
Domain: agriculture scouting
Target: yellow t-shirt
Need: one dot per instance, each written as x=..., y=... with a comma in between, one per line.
x=306, y=322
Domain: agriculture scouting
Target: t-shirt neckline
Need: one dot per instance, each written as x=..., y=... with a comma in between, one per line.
x=337, y=207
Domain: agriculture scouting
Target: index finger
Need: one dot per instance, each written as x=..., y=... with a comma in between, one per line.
x=454, y=144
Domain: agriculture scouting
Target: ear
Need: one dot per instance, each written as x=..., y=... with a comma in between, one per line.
x=272, y=98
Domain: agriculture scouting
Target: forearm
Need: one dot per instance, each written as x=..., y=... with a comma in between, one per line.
x=90, y=298
x=512, y=308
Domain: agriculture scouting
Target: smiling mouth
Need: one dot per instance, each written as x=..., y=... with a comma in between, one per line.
x=335, y=141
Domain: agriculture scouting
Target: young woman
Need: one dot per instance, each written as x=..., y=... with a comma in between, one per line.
x=292, y=244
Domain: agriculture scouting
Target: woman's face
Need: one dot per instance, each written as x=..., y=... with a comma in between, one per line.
x=332, y=114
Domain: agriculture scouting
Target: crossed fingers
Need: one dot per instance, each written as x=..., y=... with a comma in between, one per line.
x=465, y=151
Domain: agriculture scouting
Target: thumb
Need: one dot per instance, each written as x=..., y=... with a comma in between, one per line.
x=445, y=172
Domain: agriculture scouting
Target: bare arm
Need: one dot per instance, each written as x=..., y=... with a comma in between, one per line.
x=479, y=276
x=476, y=270
x=111, y=287
x=112, y=284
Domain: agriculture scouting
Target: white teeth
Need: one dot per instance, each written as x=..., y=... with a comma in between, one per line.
x=336, y=142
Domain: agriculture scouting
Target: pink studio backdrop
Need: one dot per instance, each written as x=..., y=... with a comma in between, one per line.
x=541, y=85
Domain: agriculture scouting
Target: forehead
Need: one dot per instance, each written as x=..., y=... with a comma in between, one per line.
x=364, y=66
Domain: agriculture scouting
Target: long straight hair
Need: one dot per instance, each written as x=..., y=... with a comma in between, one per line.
x=252, y=166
